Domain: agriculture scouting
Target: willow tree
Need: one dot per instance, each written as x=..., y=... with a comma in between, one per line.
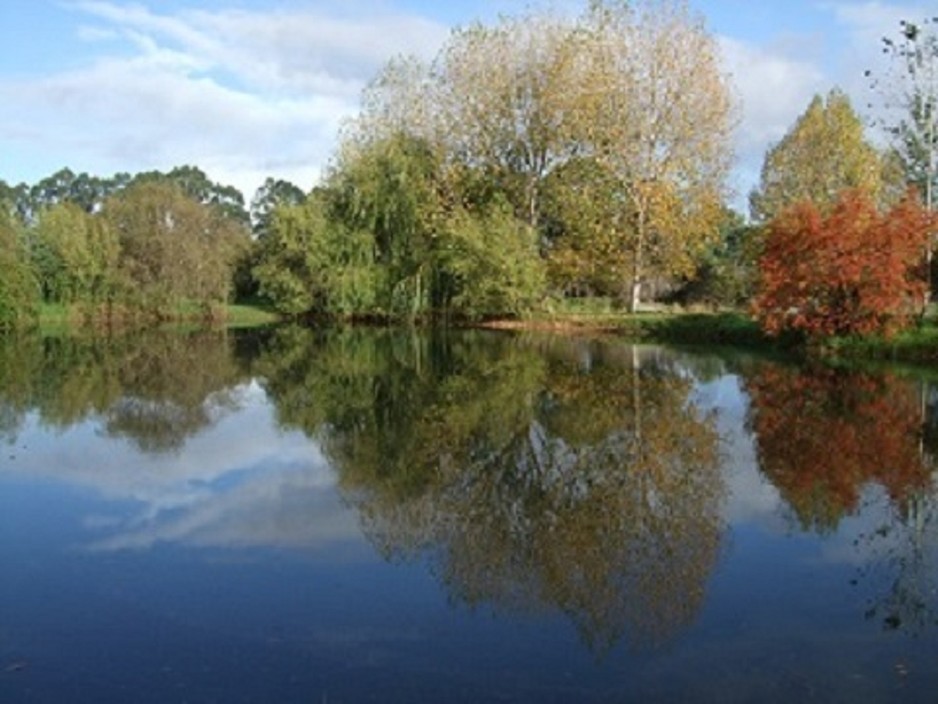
x=824, y=153
x=75, y=255
x=654, y=109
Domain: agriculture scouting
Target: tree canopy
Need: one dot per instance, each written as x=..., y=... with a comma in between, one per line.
x=595, y=149
x=824, y=153
x=853, y=270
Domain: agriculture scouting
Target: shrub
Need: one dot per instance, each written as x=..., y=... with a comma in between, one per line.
x=852, y=272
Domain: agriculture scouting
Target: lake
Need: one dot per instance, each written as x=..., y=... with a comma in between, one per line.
x=292, y=515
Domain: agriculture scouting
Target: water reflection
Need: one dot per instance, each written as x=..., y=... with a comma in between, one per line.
x=155, y=389
x=555, y=476
x=823, y=434
x=534, y=475
x=831, y=439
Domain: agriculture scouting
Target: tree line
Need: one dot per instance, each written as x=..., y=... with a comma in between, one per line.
x=532, y=160
x=129, y=248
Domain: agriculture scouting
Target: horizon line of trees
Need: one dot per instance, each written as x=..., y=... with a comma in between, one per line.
x=130, y=248
x=538, y=158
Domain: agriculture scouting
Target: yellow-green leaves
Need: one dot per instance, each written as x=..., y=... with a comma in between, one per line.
x=824, y=153
x=532, y=110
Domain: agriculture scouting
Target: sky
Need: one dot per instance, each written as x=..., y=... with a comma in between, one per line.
x=248, y=89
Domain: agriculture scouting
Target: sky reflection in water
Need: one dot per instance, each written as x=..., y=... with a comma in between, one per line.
x=366, y=516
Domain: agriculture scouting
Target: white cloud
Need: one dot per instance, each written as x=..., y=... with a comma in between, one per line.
x=244, y=95
x=773, y=89
x=865, y=24
x=239, y=483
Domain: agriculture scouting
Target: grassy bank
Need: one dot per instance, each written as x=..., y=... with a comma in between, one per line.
x=57, y=318
x=724, y=329
x=728, y=329
x=918, y=345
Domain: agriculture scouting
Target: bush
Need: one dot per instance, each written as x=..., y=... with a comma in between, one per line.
x=852, y=272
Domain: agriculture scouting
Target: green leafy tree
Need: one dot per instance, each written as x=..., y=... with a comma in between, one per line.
x=173, y=249
x=19, y=291
x=386, y=237
x=491, y=264
x=14, y=200
x=585, y=221
x=274, y=193
x=75, y=255
x=388, y=189
x=86, y=191
x=728, y=272
x=309, y=262
x=195, y=184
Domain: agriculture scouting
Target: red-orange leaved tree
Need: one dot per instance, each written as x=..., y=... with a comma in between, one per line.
x=852, y=271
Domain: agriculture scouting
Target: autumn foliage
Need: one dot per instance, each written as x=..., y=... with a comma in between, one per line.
x=823, y=435
x=853, y=270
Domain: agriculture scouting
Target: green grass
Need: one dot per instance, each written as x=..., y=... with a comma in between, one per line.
x=58, y=318
x=919, y=344
x=725, y=329
x=250, y=314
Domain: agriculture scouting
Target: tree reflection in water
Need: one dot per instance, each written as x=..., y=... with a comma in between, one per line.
x=556, y=475
x=827, y=438
x=535, y=474
x=155, y=389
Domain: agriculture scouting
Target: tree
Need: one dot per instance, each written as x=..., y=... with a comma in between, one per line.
x=489, y=265
x=910, y=91
x=83, y=190
x=19, y=292
x=14, y=200
x=382, y=237
x=501, y=91
x=638, y=92
x=195, y=184
x=310, y=262
x=585, y=224
x=173, y=249
x=824, y=153
x=75, y=255
x=658, y=115
x=852, y=271
x=727, y=272
x=273, y=194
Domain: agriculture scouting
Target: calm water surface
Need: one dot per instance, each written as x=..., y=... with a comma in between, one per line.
x=357, y=516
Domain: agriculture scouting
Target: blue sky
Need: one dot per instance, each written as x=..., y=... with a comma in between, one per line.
x=247, y=89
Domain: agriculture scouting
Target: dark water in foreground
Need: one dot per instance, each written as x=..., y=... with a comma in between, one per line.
x=365, y=516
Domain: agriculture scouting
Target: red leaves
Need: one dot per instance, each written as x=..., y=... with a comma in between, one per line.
x=854, y=271
x=823, y=434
